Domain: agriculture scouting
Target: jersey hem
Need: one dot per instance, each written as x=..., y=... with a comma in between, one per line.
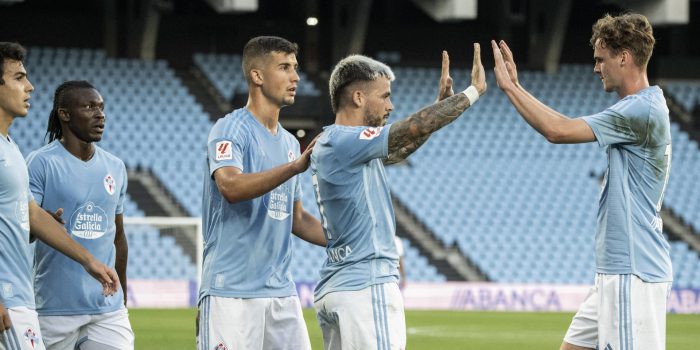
x=78, y=312
x=318, y=295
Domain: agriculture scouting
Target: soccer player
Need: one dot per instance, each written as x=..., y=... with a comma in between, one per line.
x=251, y=203
x=20, y=216
x=358, y=302
x=626, y=309
x=72, y=175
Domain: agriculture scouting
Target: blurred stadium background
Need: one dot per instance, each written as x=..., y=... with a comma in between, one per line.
x=491, y=215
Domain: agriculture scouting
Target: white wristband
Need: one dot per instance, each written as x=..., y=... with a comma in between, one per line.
x=472, y=94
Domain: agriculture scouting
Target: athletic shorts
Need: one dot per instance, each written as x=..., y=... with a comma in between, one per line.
x=68, y=332
x=24, y=333
x=252, y=324
x=621, y=312
x=370, y=318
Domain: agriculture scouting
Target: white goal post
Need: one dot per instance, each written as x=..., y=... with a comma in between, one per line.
x=187, y=231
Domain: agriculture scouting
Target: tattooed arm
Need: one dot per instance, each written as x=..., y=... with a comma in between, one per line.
x=407, y=135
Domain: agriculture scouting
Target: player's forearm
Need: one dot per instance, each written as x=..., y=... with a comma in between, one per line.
x=407, y=135
x=45, y=228
x=308, y=228
x=241, y=187
x=121, y=261
x=541, y=117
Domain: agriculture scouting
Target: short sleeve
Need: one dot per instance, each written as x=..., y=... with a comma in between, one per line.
x=122, y=191
x=622, y=123
x=37, y=178
x=363, y=144
x=226, y=147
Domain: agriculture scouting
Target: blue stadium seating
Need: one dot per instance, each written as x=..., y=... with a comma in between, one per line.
x=687, y=93
x=523, y=210
x=226, y=74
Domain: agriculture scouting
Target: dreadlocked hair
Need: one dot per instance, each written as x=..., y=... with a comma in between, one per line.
x=54, y=131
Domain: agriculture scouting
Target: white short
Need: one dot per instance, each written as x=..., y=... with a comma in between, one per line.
x=68, y=332
x=24, y=333
x=621, y=312
x=370, y=318
x=253, y=324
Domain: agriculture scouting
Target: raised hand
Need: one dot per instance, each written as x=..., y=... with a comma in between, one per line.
x=506, y=78
x=105, y=275
x=509, y=61
x=446, y=81
x=478, y=74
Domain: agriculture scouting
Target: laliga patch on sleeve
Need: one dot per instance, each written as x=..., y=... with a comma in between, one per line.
x=224, y=150
x=370, y=133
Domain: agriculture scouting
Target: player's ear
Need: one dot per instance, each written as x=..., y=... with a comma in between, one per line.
x=256, y=76
x=358, y=98
x=625, y=57
x=63, y=114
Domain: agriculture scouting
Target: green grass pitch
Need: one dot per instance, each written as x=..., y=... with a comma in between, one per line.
x=451, y=330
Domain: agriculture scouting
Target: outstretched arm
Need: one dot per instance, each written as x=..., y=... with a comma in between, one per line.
x=554, y=126
x=236, y=186
x=45, y=228
x=407, y=135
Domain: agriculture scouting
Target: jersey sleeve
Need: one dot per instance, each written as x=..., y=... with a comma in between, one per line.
x=363, y=144
x=37, y=178
x=122, y=192
x=623, y=123
x=226, y=147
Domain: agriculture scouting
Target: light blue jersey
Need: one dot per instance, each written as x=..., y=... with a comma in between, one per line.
x=637, y=134
x=15, y=269
x=355, y=206
x=247, y=245
x=91, y=194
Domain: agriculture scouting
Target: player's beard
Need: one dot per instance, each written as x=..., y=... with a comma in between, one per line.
x=373, y=120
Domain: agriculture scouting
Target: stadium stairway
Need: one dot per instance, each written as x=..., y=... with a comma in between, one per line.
x=204, y=92
x=154, y=199
x=683, y=117
x=449, y=261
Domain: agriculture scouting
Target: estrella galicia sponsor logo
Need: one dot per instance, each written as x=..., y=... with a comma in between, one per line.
x=88, y=221
x=278, y=202
x=220, y=346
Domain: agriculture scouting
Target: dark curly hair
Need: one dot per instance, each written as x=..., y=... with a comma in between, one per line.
x=10, y=51
x=629, y=31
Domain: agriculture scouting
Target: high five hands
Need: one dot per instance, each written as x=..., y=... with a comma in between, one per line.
x=478, y=76
x=505, y=69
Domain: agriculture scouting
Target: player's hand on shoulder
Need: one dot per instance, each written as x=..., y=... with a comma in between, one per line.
x=478, y=74
x=445, y=89
x=302, y=163
x=5, y=322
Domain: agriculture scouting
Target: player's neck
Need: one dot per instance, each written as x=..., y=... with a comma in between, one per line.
x=79, y=148
x=633, y=84
x=266, y=113
x=5, y=122
x=349, y=117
